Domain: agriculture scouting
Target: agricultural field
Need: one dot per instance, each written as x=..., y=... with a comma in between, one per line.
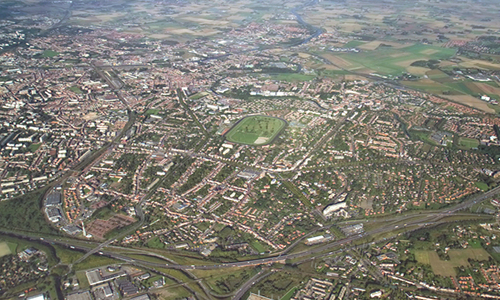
x=463, y=92
x=458, y=257
x=256, y=130
x=174, y=22
x=388, y=60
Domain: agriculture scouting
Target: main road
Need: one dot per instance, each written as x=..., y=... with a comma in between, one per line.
x=417, y=222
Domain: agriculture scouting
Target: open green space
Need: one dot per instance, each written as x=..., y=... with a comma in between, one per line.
x=67, y=256
x=256, y=130
x=198, y=95
x=257, y=246
x=33, y=147
x=75, y=89
x=353, y=44
x=95, y=261
x=423, y=136
x=468, y=143
x=293, y=77
x=152, y=111
x=458, y=257
x=431, y=87
x=24, y=213
x=483, y=186
x=5, y=249
x=279, y=284
x=290, y=294
x=394, y=61
x=49, y=53
x=82, y=280
x=16, y=245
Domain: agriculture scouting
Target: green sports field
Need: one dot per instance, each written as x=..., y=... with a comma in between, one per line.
x=255, y=130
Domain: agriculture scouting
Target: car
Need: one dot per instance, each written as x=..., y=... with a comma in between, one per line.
x=72, y=247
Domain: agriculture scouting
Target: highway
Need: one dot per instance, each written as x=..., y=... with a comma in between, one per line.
x=417, y=222
x=256, y=278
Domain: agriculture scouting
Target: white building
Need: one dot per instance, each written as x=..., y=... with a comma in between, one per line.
x=330, y=209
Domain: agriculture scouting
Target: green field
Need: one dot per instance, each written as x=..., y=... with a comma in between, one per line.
x=483, y=186
x=392, y=61
x=290, y=294
x=255, y=130
x=82, y=279
x=5, y=249
x=75, y=89
x=468, y=143
x=293, y=77
x=458, y=257
x=258, y=247
x=94, y=261
x=198, y=95
x=49, y=53
x=353, y=44
x=33, y=147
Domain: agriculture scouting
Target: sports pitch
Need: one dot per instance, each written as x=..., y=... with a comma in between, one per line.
x=255, y=130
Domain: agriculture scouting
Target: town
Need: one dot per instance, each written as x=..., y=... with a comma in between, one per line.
x=198, y=151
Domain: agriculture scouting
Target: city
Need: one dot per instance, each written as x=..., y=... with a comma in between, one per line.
x=248, y=150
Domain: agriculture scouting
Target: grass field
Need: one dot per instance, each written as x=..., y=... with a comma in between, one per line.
x=82, y=280
x=468, y=143
x=458, y=257
x=5, y=249
x=394, y=61
x=75, y=89
x=67, y=256
x=95, y=261
x=290, y=294
x=152, y=111
x=257, y=246
x=255, y=130
x=198, y=95
x=353, y=44
x=483, y=186
x=293, y=77
x=33, y=147
x=49, y=53
x=464, y=92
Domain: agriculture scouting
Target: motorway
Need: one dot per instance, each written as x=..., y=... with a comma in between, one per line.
x=413, y=222
x=256, y=278
x=416, y=222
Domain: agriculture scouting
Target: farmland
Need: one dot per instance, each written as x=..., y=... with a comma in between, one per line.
x=388, y=60
x=255, y=130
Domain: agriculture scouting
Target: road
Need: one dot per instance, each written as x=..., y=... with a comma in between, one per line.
x=420, y=221
x=256, y=278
